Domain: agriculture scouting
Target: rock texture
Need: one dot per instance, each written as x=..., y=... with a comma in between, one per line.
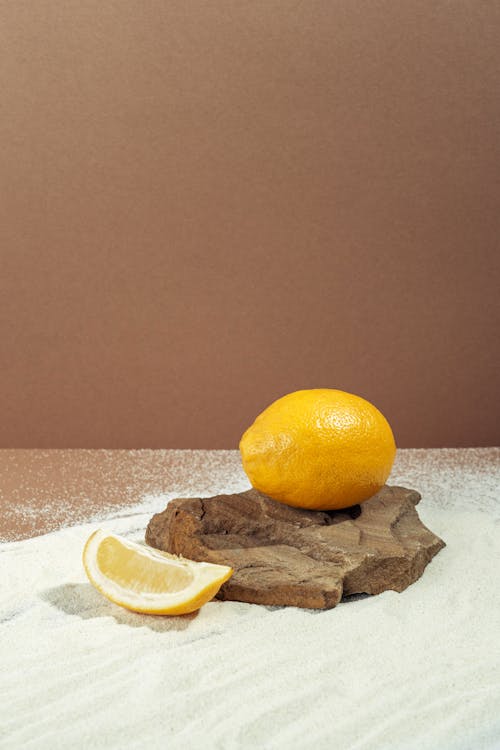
x=288, y=556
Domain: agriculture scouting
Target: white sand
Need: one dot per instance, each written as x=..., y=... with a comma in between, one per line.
x=420, y=669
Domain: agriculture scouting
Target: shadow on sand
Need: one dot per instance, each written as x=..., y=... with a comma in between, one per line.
x=83, y=600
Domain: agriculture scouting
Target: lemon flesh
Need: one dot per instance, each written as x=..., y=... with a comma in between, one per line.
x=147, y=580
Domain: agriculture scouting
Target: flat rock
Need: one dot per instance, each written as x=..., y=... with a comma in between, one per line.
x=303, y=558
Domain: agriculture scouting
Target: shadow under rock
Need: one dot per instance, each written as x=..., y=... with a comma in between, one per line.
x=83, y=600
x=354, y=597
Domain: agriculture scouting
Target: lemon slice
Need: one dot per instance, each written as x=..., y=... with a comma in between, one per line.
x=144, y=579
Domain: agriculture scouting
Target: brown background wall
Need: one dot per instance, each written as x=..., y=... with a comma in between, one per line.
x=206, y=205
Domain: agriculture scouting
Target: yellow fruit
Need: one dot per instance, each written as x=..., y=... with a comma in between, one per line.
x=144, y=579
x=321, y=449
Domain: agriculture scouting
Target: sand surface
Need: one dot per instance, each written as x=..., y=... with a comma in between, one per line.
x=415, y=670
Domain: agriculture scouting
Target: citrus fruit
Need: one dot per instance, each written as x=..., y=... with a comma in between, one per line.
x=144, y=579
x=321, y=449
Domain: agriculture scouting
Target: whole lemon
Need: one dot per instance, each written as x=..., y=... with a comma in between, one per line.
x=321, y=449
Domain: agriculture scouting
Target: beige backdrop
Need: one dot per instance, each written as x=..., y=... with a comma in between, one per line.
x=206, y=205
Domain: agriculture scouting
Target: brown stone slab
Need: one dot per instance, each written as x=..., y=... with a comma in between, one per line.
x=289, y=556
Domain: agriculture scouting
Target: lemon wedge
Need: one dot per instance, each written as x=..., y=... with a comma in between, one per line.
x=147, y=580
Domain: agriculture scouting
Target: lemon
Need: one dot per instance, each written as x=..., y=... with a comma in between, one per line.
x=144, y=579
x=321, y=449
